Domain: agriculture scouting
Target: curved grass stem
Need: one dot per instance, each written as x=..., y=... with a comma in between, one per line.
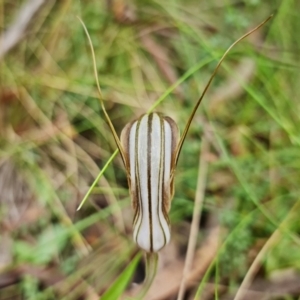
x=151, y=270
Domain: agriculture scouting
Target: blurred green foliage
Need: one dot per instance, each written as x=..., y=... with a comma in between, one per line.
x=53, y=133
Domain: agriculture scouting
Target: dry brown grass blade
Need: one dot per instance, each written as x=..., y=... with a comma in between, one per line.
x=202, y=176
x=232, y=89
x=17, y=30
x=42, y=119
x=162, y=60
x=122, y=12
x=111, y=199
x=50, y=277
x=272, y=241
x=15, y=194
x=285, y=287
x=66, y=85
x=38, y=115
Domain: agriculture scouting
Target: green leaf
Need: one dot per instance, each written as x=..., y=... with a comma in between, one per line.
x=118, y=287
